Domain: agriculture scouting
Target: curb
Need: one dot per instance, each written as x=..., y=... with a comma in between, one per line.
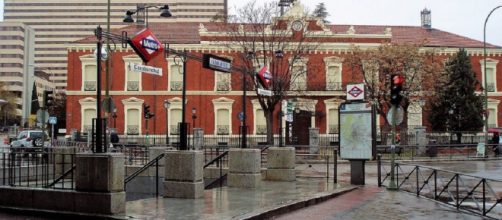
x=50, y=214
x=268, y=213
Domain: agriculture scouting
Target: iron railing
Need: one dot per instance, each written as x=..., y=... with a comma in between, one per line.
x=37, y=168
x=153, y=162
x=470, y=193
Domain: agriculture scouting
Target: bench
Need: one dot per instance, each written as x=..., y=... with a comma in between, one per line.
x=387, y=150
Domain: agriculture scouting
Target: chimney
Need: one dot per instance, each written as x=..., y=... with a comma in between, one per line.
x=426, y=18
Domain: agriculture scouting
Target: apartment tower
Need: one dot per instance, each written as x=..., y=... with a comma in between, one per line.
x=58, y=22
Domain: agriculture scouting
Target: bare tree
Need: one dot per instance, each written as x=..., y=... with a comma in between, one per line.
x=261, y=38
x=421, y=69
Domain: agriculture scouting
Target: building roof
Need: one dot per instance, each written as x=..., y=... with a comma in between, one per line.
x=188, y=33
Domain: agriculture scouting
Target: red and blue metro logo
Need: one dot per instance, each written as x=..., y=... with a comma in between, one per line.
x=146, y=45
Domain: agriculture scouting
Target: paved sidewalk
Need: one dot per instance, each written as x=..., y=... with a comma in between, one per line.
x=371, y=202
x=235, y=203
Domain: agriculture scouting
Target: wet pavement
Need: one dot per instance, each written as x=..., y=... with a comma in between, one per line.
x=371, y=202
x=367, y=202
x=231, y=203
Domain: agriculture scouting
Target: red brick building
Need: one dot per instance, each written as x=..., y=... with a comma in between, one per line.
x=216, y=97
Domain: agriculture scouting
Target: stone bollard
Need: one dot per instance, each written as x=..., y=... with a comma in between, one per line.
x=281, y=164
x=244, y=168
x=184, y=174
x=100, y=183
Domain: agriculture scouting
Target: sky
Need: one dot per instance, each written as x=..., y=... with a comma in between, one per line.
x=462, y=17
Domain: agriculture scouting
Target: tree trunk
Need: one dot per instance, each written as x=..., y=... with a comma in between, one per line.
x=269, y=116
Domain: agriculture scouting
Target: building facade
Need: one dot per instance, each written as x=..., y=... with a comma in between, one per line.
x=58, y=22
x=17, y=62
x=217, y=97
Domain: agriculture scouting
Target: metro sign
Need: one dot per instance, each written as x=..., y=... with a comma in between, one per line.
x=146, y=45
x=355, y=92
x=265, y=77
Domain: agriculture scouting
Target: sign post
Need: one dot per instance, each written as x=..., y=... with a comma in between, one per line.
x=52, y=120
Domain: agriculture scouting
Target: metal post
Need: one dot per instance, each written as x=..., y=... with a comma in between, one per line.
x=167, y=128
x=99, y=144
x=183, y=127
x=244, y=126
x=335, y=165
x=379, y=169
x=280, y=127
x=392, y=184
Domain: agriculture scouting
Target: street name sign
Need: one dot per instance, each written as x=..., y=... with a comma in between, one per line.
x=217, y=63
x=145, y=69
x=264, y=92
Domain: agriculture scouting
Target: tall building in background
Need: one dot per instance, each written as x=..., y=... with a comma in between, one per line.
x=58, y=22
x=17, y=45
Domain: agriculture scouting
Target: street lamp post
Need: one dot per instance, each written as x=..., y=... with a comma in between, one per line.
x=484, y=67
x=3, y=102
x=115, y=118
x=166, y=106
x=142, y=10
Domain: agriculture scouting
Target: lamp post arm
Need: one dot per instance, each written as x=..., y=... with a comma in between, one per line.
x=484, y=71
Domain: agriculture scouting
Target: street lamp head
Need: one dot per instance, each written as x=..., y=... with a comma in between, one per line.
x=297, y=110
x=167, y=104
x=250, y=55
x=165, y=12
x=128, y=17
x=279, y=54
x=194, y=110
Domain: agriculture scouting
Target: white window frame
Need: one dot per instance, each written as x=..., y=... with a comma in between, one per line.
x=173, y=61
x=302, y=63
x=87, y=60
x=331, y=104
x=337, y=77
x=226, y=104
x=490, y=64
x=128, y=60
x=493, y=111
x=175, y=105
x=85, y=104
x=218, y=77
x=256, y=109
x=133, y=103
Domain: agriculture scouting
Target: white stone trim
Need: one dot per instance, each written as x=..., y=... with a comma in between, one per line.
x=222, y=103
x=133, y=103
x=86, y=60
x=330, y=104
x=127, y=60
x=490, y=63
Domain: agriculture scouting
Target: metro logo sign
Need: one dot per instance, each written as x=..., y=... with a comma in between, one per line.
x=146, y=45
x=264, y=77
x=355, y=92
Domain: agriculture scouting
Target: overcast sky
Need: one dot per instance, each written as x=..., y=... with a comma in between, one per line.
x=463, y=17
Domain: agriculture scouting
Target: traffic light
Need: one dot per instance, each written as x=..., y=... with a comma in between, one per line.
x=396, y=86
x=48, y=98
x=146, y=112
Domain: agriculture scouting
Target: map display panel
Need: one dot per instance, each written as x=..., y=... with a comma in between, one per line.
x=356, y=139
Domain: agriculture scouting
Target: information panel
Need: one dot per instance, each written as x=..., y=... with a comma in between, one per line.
x=356, y=131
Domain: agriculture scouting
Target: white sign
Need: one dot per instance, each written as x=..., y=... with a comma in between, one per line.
x=145, y=69
x=264, y=92
x=355, y=92
x=356, y=138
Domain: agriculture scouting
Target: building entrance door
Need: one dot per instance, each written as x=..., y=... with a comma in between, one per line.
x=297, y=132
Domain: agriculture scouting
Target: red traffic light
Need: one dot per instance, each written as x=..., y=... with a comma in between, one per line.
x=397, y=80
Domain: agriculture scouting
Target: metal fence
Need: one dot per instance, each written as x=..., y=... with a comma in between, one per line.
x=470, y=193
x=30, y=167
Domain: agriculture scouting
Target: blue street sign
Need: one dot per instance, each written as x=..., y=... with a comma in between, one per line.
x=240, y=116
x=53, y=120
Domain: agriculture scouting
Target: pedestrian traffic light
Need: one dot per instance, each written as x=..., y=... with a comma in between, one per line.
x=396, y=86
x=48, y=98
x=146, y=112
